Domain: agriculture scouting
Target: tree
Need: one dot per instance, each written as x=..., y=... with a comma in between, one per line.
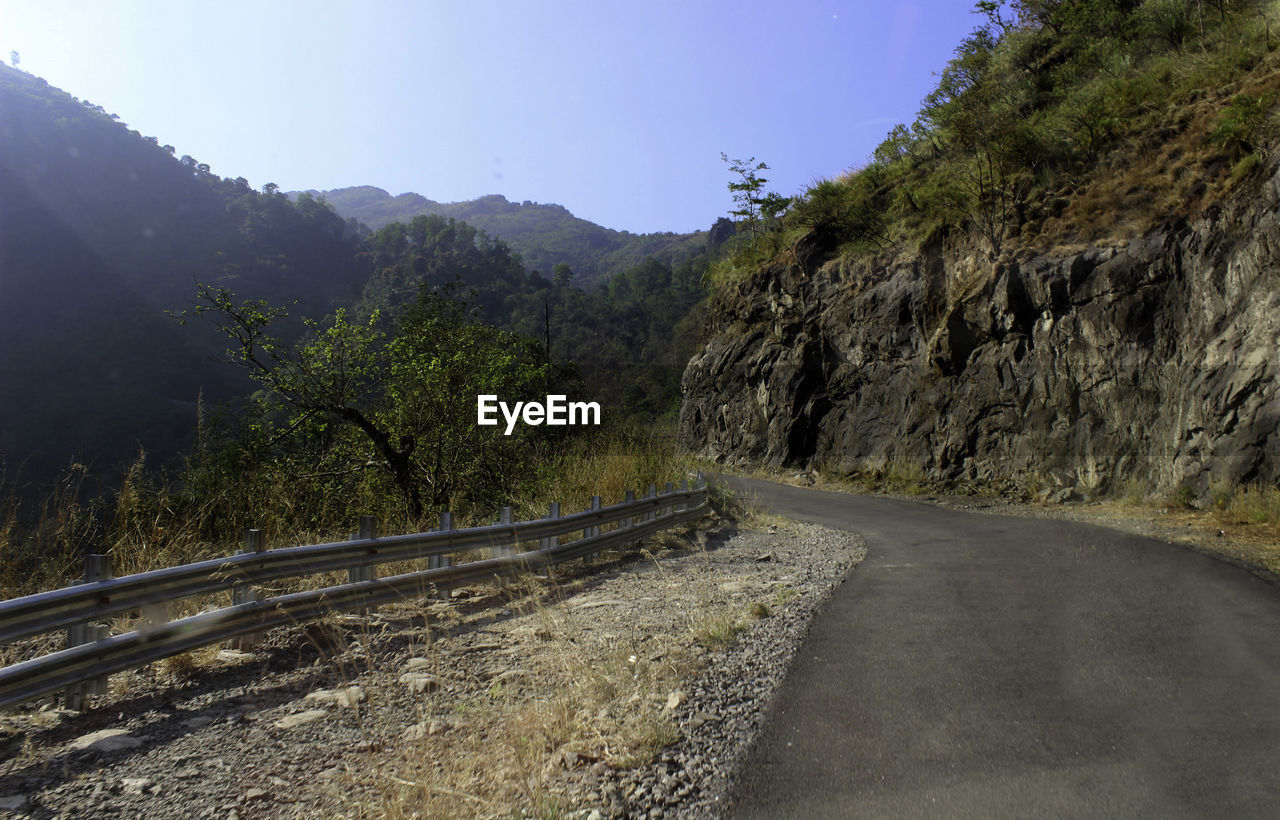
x=748, y=191
x=993, y=10
x=403, y=402
x=1169, y=20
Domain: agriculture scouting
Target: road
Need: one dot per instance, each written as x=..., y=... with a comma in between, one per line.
x=995, y=666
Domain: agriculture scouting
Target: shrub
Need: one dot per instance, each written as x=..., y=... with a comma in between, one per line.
x=1241, y=124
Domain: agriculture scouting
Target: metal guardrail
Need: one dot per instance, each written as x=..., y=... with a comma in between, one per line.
x=69, y=606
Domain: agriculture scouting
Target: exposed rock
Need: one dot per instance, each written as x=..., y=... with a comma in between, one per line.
x=418, y=731
x=420, y=682
x=106, y=740
x=292, y=721
x=346, y=697
x=720, y=233
x=137, y=785
x=1155, y=361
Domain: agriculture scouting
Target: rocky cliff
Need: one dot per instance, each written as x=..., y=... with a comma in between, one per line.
x=1154, y=360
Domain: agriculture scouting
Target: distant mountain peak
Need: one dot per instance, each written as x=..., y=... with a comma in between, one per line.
x=544, y=234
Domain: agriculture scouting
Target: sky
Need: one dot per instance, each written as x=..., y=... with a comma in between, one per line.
x=618, y=111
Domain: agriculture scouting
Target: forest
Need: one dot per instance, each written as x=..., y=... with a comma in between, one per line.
x=185, y=356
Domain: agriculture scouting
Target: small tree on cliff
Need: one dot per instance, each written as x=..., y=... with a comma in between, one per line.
x=756, y=209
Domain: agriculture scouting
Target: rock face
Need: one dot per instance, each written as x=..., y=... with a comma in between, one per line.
x=1156, y=361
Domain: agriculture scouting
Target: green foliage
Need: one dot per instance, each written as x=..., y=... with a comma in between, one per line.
x=401, y=403
x=1050, y=99
x=836, y=212
x=1242, y=123
x=371, y=409
x=1169, y=21
x=757, y=211
x=628, y=339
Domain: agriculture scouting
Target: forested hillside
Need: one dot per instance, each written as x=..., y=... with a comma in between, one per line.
x=109, y=240
x=103, y=231
x=544, y=235
x=628, y=338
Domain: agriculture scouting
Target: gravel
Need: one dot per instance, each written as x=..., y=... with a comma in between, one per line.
x=729, y=702
x=316, y=721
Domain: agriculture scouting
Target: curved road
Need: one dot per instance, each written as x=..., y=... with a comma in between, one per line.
x=992, y=666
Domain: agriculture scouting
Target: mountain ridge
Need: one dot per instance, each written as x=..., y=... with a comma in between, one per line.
x=544, y=234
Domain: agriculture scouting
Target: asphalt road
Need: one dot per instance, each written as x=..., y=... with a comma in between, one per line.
x=993, y=666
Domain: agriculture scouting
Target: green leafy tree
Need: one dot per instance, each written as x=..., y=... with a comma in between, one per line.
x=747, y=191
x=1169, y=20
x=400, y=402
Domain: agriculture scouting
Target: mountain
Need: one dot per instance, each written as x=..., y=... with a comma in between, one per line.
x=1063, y=278
x=104, y=235
x=544, y=235
x=103, y=232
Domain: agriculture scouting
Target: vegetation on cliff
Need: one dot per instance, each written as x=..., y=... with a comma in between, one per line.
x=1058, y=123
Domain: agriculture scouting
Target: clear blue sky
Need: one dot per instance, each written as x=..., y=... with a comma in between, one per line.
x=618, y=111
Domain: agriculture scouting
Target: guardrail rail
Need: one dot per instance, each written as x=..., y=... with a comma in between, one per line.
x=92, y=654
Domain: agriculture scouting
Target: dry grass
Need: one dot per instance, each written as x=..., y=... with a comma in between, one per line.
x=1240, y=523
x=1250, y=504
x=1170, y=168
x=609, y=471
x=1245, y=530
x=882, y=476
x=580, y=701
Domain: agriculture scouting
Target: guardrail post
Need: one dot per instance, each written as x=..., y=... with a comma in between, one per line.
x=629, y=520
x=550, y=541
x=368, y=532
x=593, y=531
x=667, y=510
x=504, y=549
x=97, y=567
x=684, y=488
x=243, y=593
x=438, y=561
x=653, y=512
x=441, y=561
x=365, y=572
